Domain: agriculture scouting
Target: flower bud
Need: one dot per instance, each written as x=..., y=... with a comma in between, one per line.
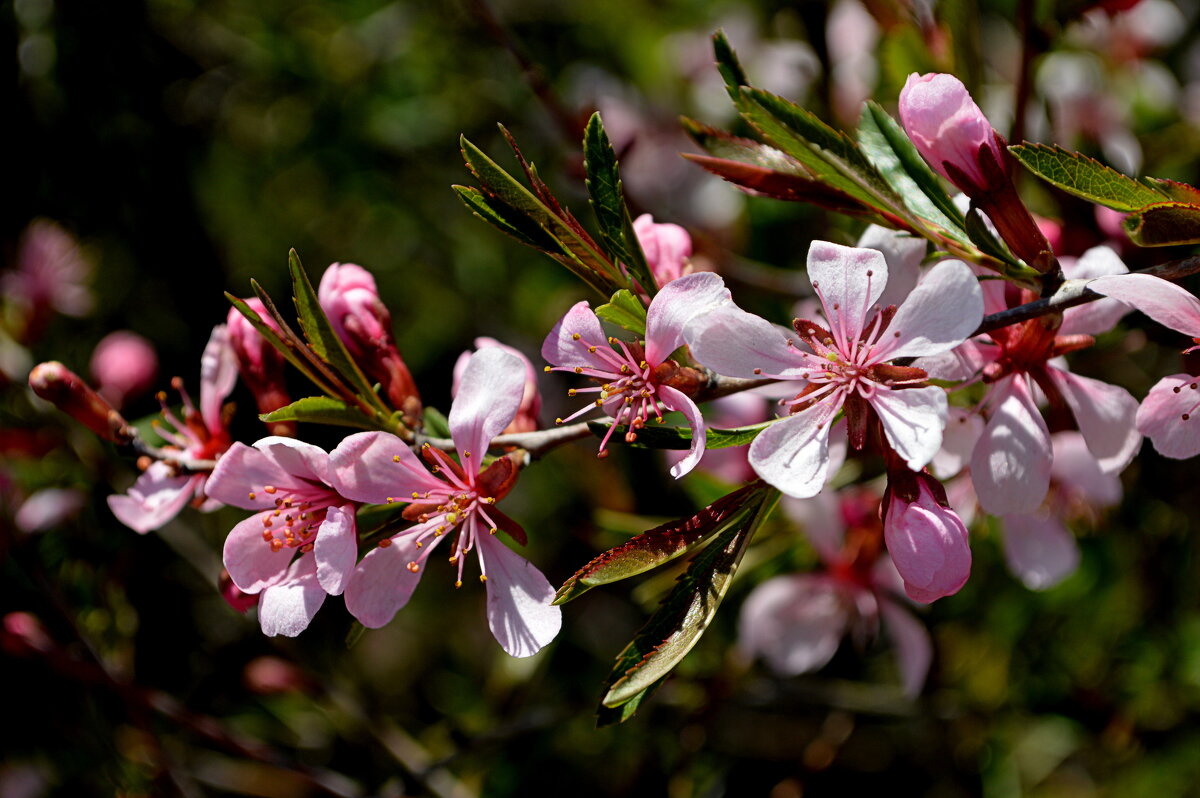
x=667, y=248
x=927, y=542
x=349, y=298
x=63, y=388
x=260, y=364
x=124, y=366
x=234, y=596
x=23, y=633
x=949, y=130
x=526, y=419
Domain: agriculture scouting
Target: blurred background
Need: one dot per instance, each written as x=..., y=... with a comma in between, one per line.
x=186, y=146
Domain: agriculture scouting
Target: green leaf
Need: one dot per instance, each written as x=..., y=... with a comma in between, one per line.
x=625, y=310
x=289, y=344
x=1085, y=177
x=1164, y=224
x=571, y=247
x=324, y=341
x=655, y=436
x=659, y=545
x=322, y=410
x=1180, y=192
x=608, y=202
x=728, y=65
x=982, y=237
x=689, y=608
x=436, y=424
x=506, y=220
x=887, y=146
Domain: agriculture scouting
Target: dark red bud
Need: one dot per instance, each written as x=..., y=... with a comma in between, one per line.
x=62, y=387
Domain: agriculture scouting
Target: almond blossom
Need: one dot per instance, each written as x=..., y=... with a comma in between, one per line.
x=456, y=502
x=638, y=379
x=526, y=419
x=302, y=542
x=847, y=365
x=166, y=486
x=1165, y=416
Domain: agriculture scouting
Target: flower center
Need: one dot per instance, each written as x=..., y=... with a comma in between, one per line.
x=292, y=524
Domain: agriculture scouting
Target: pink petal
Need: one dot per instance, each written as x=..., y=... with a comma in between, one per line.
x=382, y=583
x=1103, y=314
x=794, y=622
x=155, y=498
x=1079, y=475
x=519, y=611
x=218, y=374
x=676, y=400
x=1161, y=418
x=562, y=348
x=903, y=254
x=793, y=454
x=735, y=343
x=914, y=649
x=1011, y=463
x=244, y=470
x=301, y=461
x=963, y=429
x=364, y=467
x=1039, y=550
x=288, y=607
x=1163, y=301
x=940, y=313
x=1105, y=414
x=849, y=282
x=491, y=390
x=251, y=563
x=913, y=419
x=675, y=305
x=336, y=549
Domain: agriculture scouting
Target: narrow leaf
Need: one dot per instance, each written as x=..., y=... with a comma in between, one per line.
x=436, y=423
x=728, y=65
x=1164, y=224
x=506, y=220
x=322, y=410
x=983, y=238
x=660, y=545
x=781, y=185
x=289, y=344
x=1085, y=177
x=624, y=310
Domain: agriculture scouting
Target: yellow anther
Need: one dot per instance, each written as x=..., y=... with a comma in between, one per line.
x=558, y=421
x=576, y=336
x=483, y=577
x=466, y=454
x=451, y=517
x=269, y=488
x=419, y=544
x=624, y=368
x=458, y=583
x=390, y=500
x=414, y=566
x=252, y=497
x=395, y=458
x=493, y=530
x=572, y=392
x=591, y=350
x=579, y=369
x=644, y=364
x=547, y=369
x=453, y=559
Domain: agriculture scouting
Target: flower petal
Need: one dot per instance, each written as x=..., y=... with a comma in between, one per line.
x=1102, y=315
x=218, y=374
x=675, y=305
x=1163, y=301
x=849, y=281
x=1039, y=550
x=492, y=387
x=288, y=607
x=794, y=622
x=928, y=545
x=251, y=562
x=679, y=402
x=336, y=549
x=240, y=475
x=375, y=466
x=903, y=254
x=1078, y=474
x=1168, y=416
x=793, y=454
x=913, y=420
x=1011, y=462
x=735, y=343
x=155, y=498
x=300, y=460
x=1106, y=416
x=382, y=583
x=562, y=348
x=940, y=313
x=962, y=432
x=519, y=611
x=914, y=649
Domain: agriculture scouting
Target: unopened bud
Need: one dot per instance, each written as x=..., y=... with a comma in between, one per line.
x=260, y=364
x=124, y=365
x=62, y=387
x=667, y=248
x=927, y=542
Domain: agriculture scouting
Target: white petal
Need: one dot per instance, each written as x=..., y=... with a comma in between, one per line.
x=903, y=253
x=1106, y=416
x=382, y=583
x=849, y=281
x=1039, y=550
x=1102, y=315
x=914, y=649
x=1163, y=301
x=938, y=315
x=1168, y=416
x=491, y=390
x=676, y=400
x=795, y=622
x=913, y=419
x=289, y=606
x=793, y=454
x=962, y=432
x=336, y=549
x=735, y=343
x=1011, y=463
x=675, y=305
x=218, y=374
x=519, y=611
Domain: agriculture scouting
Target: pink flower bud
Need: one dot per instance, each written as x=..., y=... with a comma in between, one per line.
x=62, y=387
x=928, y=543
x=234, y=596
x=667, y=248
x=124, y=366
x=349, y=298
x=259, y=363
x=948, y=128
x=526, y=419
x=23, y=633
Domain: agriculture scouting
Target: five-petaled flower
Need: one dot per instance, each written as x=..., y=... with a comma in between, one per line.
x=639, y=380
x=846, y=366
x=455, y=502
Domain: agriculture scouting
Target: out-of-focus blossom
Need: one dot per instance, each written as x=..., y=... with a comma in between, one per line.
x=202, y=435
x=851, y=34
x=351, y=301
x=301, y=544
x=526, y=419
x=124, y=366
x=259, y=363
x=638, y=379
x=456, y=503
x=272, y=676
x=927, y=541
x=846, y=365
x=63, y=388
x=23, y=633
x=48, y=508
x=51, y=277
x=667, y=247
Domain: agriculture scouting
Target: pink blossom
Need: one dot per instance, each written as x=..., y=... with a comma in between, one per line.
x=165, y=488
x=667, y=248
x=51, y=276
x=948, y=128
x=927, y=541
x=124, y=366
x=639, y=380
x=526, y=419
x=455, y=502
x=302, y=542
x=47, y=508
x=847, y=365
